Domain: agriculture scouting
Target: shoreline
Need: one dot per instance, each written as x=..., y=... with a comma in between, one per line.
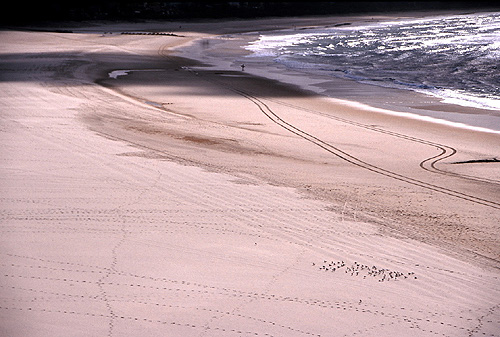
x=399, y=101
x=182, y=199
x=214, y=61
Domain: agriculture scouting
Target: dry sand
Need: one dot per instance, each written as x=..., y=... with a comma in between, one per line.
x=188, y=200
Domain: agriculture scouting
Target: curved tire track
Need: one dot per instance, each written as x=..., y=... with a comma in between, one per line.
x=269, y=113
x=428, y=164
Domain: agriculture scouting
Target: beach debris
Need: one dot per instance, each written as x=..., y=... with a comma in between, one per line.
x=365, y=271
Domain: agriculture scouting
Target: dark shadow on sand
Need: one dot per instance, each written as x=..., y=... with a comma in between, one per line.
x=189, y=76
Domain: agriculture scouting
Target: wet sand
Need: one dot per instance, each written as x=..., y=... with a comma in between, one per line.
x=195, y=200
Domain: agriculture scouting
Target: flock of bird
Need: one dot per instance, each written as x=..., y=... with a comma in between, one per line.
x=357, y=269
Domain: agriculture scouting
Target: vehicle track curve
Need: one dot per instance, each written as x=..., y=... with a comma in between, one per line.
x=428, y=164
x=446, y=152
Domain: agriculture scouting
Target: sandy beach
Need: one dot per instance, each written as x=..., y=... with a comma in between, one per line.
x=182, y=196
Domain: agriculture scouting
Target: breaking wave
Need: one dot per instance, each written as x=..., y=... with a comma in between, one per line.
x=456, y=58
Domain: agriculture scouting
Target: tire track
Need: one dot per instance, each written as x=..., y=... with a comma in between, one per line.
x=269, y=113
x=428, y=164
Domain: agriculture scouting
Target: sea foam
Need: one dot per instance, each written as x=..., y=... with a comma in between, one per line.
x=455, y=58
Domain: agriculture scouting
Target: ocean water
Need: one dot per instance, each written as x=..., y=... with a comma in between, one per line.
x=456, y=58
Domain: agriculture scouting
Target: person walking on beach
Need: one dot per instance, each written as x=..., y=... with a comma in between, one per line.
x=242, y=67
